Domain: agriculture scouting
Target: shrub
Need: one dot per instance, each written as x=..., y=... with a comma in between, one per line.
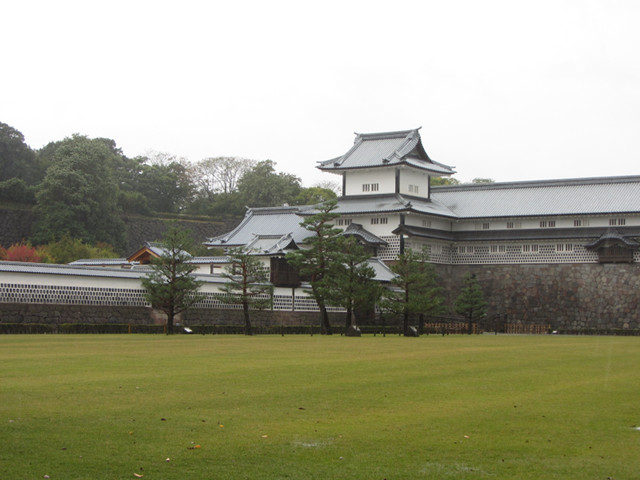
x=21, y=252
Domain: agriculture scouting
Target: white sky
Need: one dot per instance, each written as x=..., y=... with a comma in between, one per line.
x=510, y=90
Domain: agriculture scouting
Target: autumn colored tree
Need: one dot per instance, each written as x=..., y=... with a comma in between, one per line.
x=21, y=252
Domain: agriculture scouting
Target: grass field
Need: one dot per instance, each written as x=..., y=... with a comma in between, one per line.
x=301, y=407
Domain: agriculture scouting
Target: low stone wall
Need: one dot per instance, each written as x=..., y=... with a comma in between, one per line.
x=264, y=318
x=565, y=296
x=60, y=314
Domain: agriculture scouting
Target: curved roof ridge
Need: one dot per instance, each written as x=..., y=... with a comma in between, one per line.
x=381, y=135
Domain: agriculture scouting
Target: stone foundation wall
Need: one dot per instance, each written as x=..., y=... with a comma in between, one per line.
x=18, y=225
x=59, y=314
x=565, y=296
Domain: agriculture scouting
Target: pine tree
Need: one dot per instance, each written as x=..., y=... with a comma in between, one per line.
x=170, y=286
x=415, y=290
x=314, y=262
x=471, y=302
x=248, y=285
x=350, y=280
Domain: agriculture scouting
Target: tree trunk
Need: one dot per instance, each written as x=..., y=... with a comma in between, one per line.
x=348, y=319
x=170, y=322
x=247, y=320
x=405, y=323
x=405, y=312
x=325, y=325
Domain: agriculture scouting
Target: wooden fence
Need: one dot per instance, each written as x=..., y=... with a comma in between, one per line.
x=524, y=328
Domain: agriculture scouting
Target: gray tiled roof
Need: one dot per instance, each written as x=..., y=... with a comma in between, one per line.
x=383, y=273
x=588, y=233
x=54, y=269
x=615, y=236
x=277, y=221
x=608, y=195
x=101, y=261
x=604, y=195
x=385, y=149
x=208, y=260
x=388, y=204
x=70, y=270
x=271, y=244
x=357, y=230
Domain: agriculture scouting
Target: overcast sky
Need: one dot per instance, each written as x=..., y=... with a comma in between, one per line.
x=510, y=90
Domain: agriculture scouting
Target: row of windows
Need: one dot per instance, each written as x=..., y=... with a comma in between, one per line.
x=370, y=187
x=414, y=189
x=487, y=225
x=374, y=221
x=528, y=248
x=552, y=223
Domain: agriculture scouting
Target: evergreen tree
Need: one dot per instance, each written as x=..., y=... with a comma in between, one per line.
x=415, y=290
x=170, y=286
x=313, y=263
x=17, y=160
x=350, y=280
x=247, y=285
x=166, y=181
x=471, y=302
x=78, y=196
x=263, y=187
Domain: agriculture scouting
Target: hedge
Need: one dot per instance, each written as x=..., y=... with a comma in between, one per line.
x=74, y=328
x=8, y=328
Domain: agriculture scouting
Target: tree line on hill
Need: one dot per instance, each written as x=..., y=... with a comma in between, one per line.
x=80, y=187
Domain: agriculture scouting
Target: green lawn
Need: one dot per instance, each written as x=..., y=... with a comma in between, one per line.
x=301, y=407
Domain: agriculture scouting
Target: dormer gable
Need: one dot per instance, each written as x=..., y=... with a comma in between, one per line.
x=386, y=163
x=372, y=150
